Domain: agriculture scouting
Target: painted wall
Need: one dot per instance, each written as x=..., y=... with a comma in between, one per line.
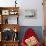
x=27, y=4
x=37, y=29
x=32, y=4
x=7, y=3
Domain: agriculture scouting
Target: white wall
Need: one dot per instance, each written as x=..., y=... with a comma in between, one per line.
x=7, y=3
x=32, y=4
x=27, y=4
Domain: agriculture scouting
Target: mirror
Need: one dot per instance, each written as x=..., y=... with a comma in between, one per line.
x=10, y=19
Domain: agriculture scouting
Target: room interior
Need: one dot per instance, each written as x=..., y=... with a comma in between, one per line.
x=17, y=16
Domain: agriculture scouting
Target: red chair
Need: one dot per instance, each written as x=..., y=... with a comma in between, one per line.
x=29, y=33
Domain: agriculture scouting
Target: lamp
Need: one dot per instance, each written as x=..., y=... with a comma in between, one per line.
x=15, y=3
x=15, y=30
x=15, y=37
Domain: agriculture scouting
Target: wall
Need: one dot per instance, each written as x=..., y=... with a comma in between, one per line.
x=7, y=3
x=36, y=29
x=32, y=4
x=27, y=4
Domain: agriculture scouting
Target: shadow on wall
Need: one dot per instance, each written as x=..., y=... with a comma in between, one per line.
x=37, y=29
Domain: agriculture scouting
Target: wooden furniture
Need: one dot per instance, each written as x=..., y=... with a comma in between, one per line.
x=0, y=43
x=8, y=11
x=44, y=37
x=5, y=13
x=10, y=43
x=44, y=7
